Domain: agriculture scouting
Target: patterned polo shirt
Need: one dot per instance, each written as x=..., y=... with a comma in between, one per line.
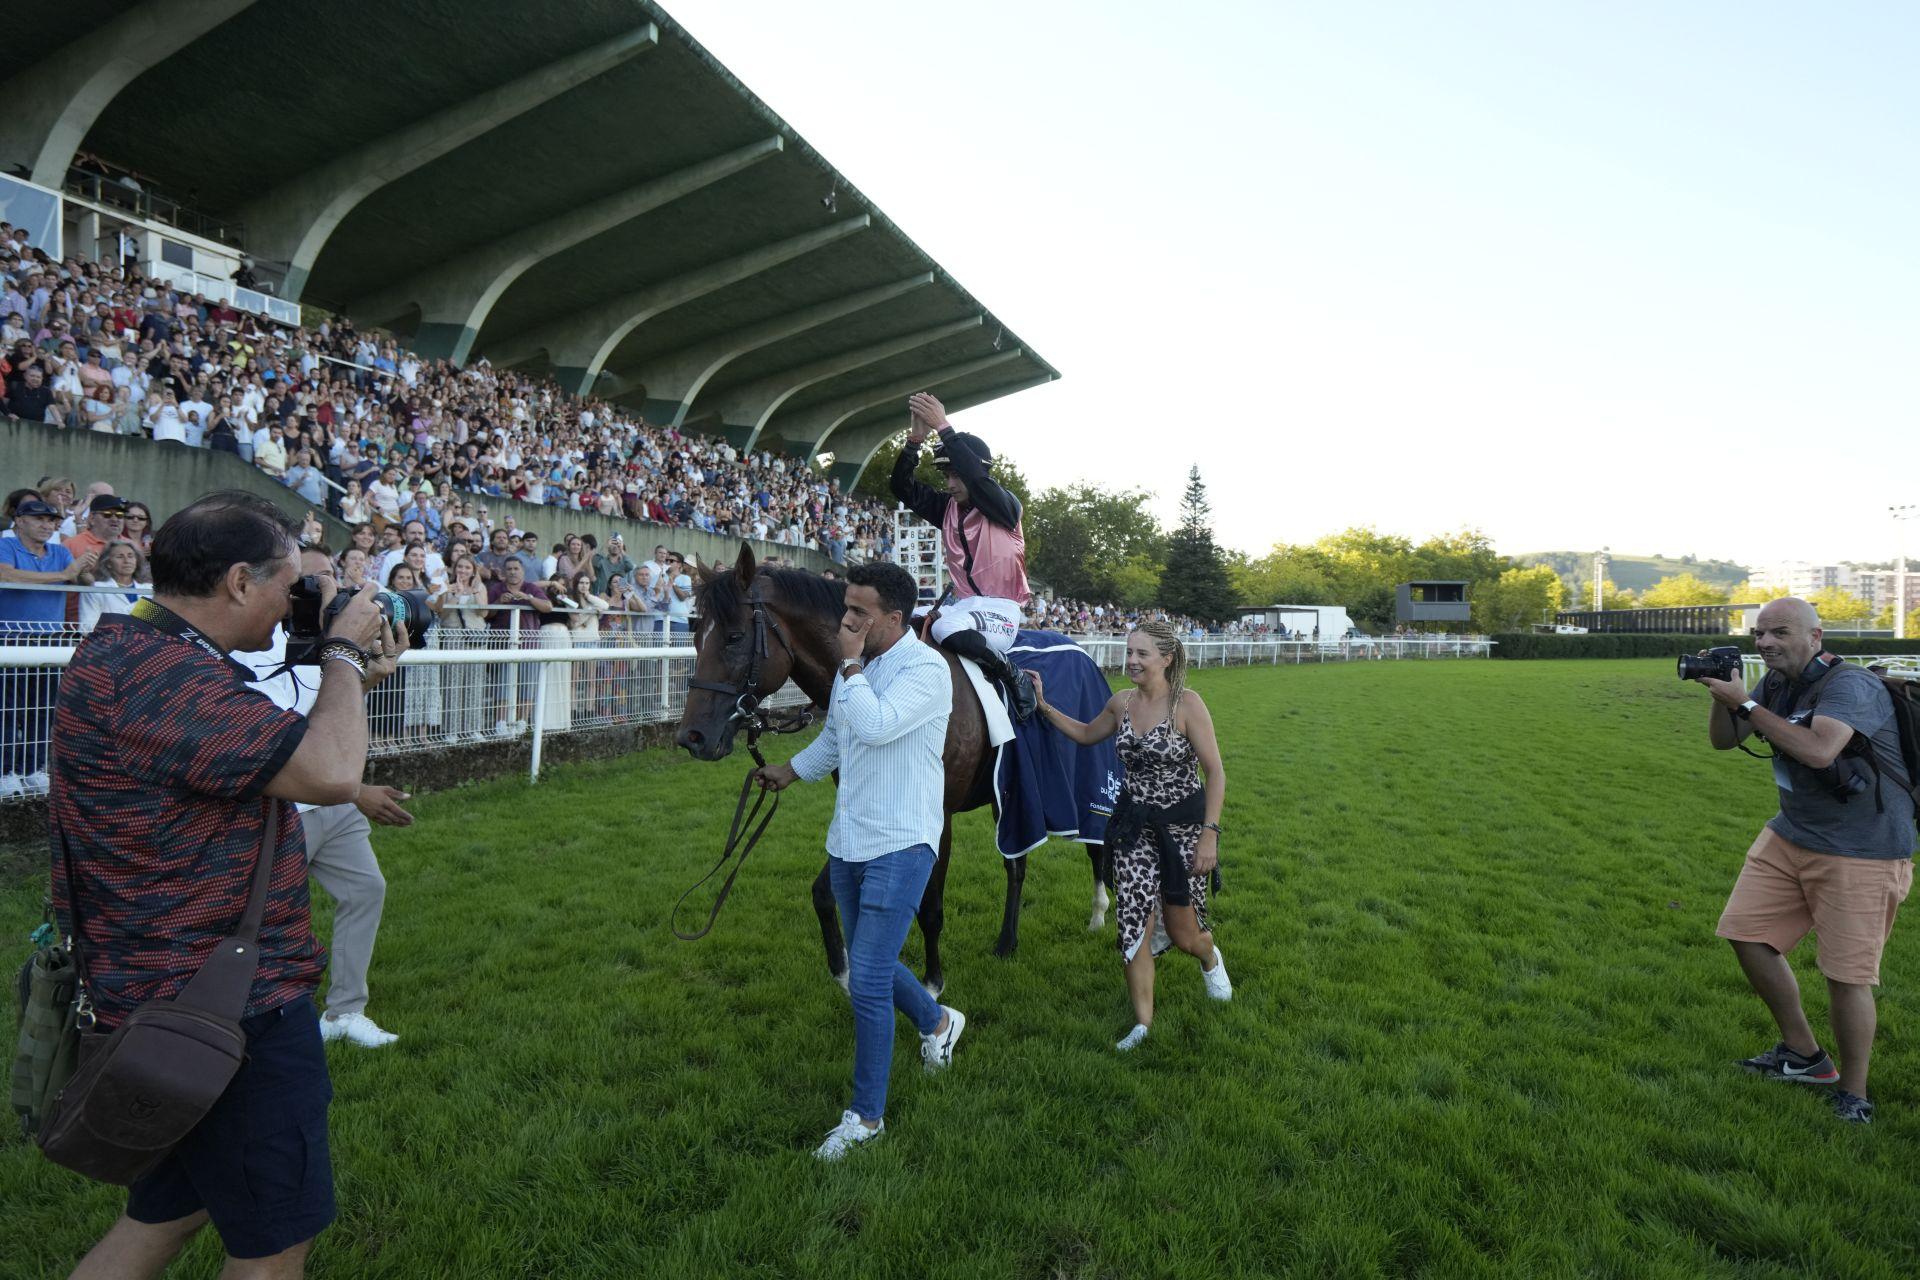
x=160, y=757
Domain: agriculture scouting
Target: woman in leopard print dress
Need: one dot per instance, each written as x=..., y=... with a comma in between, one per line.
x=1164, y=835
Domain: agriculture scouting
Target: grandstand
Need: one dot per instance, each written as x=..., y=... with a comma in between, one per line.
x=591, y=199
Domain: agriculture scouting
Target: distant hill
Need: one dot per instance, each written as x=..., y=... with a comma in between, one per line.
x=1636, y=573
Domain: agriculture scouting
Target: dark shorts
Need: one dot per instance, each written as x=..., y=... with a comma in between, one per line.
x=258, y=1164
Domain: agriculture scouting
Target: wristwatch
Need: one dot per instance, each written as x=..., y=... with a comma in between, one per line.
x=1745, y=710
x=846, y=664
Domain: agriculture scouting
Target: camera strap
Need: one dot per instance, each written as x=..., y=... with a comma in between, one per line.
x=167, y=622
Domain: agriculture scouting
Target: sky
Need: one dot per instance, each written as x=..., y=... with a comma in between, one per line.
x=1631, y=274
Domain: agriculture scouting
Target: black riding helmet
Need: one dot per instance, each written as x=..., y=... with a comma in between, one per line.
x=973, y=444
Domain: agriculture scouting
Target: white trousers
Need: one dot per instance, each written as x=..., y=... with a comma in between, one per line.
x=996, y=619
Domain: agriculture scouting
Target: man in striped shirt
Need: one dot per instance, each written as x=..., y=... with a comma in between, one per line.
x=886, y=727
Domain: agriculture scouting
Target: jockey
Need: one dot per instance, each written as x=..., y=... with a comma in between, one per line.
x=985, y=546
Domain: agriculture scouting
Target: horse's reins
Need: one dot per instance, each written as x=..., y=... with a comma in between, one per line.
x=758, y=720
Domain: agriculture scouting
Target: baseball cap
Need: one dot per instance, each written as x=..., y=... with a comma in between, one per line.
x=34, y=507
x=108, y=502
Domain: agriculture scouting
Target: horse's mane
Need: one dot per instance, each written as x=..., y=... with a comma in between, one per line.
x=721, y=597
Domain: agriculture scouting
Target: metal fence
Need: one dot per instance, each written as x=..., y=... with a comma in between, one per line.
x=1905, y=665
x=565, y=674
x=1230, y=651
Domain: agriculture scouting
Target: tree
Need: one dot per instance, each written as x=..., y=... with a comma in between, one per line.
x=1679, y=590
x=1082, y=538
x=1837, y=604
x=1195, y=580
x=1517, y=599
x=1285, y=575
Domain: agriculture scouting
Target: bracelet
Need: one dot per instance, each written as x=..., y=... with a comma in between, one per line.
x=345, y=651
x=1211, y=826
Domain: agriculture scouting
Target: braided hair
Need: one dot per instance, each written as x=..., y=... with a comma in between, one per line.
x=1167, y=641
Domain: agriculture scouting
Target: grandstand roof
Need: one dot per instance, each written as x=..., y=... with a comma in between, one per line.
x=590, y=192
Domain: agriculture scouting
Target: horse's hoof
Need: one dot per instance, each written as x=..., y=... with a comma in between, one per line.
x=1005, y=948
x=1096, y=923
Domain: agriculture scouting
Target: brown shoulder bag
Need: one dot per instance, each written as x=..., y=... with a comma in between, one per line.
x=141, y=1089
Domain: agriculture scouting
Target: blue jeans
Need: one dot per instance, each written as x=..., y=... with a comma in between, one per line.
x=878, y=900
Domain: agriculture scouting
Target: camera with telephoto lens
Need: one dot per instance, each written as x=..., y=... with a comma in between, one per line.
x=1721, y=663
x=307, y=622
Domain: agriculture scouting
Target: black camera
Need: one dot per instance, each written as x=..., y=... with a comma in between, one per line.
x=1721, y=663
x=307, y=622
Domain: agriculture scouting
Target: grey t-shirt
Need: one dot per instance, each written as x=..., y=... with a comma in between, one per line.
x=1810, y=815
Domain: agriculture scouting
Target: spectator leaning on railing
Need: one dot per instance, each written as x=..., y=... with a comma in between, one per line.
x=28, y=559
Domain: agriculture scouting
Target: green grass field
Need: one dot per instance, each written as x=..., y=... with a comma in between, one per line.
x=1481, y=1027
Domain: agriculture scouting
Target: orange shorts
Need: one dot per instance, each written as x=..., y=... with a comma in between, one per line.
x=1785, y=891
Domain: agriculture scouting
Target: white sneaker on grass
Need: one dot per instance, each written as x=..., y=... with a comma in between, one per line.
x=355, y=1028
x=11, y=788
x=847, y=1135
x=1132, y=1039
x=37, y=782
x=1219, y=985
x=936, y=1050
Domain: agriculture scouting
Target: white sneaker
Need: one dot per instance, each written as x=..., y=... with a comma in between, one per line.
x=37, y=783
x=355, y=1028
x=1219, y=985
x=501, y=729
x=936, y=1050
x=11, y=788
x=1133, y=1038
x=846, y=1135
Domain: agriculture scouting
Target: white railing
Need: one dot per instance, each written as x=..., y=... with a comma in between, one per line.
x=261, y=304
x=1905, y=665
x=1231, y=651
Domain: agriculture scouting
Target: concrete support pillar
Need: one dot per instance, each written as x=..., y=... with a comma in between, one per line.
x=578, y=346
x=854, y=447
x=292, y=222
x=808, y=429
x=751, y=404
x=455, y=296
x=673, y=380
x=51, y=104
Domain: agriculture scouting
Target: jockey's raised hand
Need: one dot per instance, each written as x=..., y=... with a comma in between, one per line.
x=927, y=408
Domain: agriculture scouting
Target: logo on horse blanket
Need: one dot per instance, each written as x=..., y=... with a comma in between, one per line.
x=1043, y=784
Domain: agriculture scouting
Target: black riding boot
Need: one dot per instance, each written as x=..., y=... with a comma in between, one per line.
x=1019, y=687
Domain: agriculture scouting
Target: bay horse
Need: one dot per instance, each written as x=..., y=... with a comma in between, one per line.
x=760, y=627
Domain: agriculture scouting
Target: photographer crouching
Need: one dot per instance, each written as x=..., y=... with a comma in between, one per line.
x=1837, y=860
x=164, y=760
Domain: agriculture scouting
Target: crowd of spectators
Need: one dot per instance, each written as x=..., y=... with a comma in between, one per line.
x=1093, y=618
x=354, y=422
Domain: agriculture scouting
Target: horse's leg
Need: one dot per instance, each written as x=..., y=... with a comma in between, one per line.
x=1010, y=920
x=933, y=913
x=1102, y=872
x=829, y=913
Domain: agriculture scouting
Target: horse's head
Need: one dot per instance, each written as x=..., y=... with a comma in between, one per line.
x=743, y=655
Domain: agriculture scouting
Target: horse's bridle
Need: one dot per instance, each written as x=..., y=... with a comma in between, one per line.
x=745, y=695
x=747, y=710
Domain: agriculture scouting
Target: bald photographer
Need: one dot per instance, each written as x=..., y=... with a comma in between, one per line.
x=1836, y=860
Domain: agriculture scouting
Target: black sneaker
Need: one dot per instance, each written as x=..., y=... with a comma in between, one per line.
x=1782, y=1063
x=1851, y=1107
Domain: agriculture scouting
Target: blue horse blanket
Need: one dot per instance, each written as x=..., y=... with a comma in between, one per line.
x=1044, y=783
